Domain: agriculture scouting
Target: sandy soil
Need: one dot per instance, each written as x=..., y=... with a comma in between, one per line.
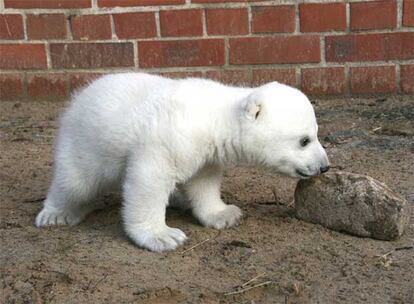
x=297, y=262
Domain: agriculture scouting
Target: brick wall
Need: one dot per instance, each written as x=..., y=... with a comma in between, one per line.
x=50, y=47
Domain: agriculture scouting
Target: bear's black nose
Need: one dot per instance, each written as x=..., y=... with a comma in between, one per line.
x=325, y=169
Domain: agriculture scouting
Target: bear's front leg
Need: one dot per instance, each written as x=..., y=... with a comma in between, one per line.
x=148, y=184
x=203, y=190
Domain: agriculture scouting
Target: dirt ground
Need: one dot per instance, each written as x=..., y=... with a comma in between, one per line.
x=293, y=261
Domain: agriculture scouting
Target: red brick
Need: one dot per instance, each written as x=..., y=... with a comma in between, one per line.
x=322, y=17
x=11, y=26
x=180, y=75
x=11, y=86
x=408, y=13
x=23, y=56
x=373, y=15
x=320, y=81
x=227, y=21
x=91, y=27
x=286, y=49
x=80, y=80
x=370, y=47
x=230, y=77
x=407, y=79
x=46, y=26
x=373, y=80
x=92, y=55
x=285, y=76
x=181, y=23
x=49, y=86
x=47, y=3
x=268, y=19
x=205, y=52
x=113, y=3
x=135, y=25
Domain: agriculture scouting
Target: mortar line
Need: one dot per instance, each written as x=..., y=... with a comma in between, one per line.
x=399, y=14
x=322, y=49
x=204, y=22
x=25, y=86
x=218, y=67
x=298, y=75
x=226, y=53
x=112, y=25
x=398, y=77
x=136, y=55
x=25, y=33
x=157, y=23
x=249, y=20
x=348, y=18
x=68, y=28
x=297, y=19
x=48, y=57
x=259, y=35
x=347, y=80
x=188, y=5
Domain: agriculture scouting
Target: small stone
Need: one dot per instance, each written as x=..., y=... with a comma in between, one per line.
x=352, y=203
x=23, y=287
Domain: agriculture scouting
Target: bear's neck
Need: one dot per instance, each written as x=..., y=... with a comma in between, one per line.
x=228, y=143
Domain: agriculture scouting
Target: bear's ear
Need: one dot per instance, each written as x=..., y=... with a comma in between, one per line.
x=252, y=109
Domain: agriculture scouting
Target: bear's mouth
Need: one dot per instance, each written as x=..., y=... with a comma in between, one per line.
x=300, y=173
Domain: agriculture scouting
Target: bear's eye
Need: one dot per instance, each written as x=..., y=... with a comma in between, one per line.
x=304, y=141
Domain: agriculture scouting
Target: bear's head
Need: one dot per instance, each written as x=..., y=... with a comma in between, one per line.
x=279, y=131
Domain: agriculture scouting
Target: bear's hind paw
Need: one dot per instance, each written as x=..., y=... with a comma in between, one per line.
x=52, y=216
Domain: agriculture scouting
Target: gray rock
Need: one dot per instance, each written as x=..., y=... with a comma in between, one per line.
x=352, y=203
x=23, y=287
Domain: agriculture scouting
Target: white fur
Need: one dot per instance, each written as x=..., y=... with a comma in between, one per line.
x=150, y=134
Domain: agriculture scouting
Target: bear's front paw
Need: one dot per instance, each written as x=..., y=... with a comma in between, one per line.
x=163, y=239
x=228, y=217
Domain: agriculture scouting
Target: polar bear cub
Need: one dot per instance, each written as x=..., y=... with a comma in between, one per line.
x=152, y=135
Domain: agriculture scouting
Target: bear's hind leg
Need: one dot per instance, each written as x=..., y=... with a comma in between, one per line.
x=69, y=197
x=203, y=190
